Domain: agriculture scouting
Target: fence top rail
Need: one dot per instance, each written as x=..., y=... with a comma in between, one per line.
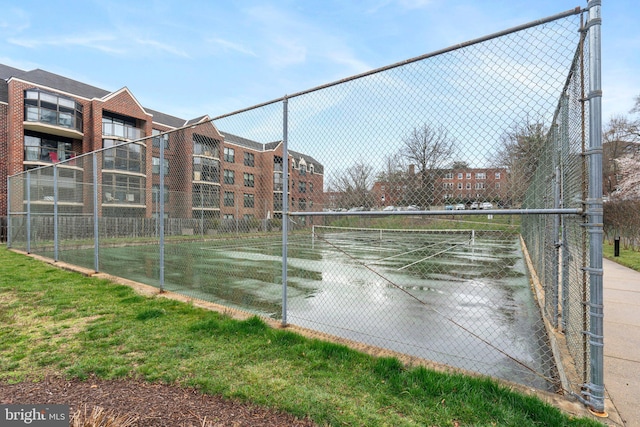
x=575, y=11
x=563, y=211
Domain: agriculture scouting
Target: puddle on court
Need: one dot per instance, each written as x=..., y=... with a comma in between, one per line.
x=461, y=304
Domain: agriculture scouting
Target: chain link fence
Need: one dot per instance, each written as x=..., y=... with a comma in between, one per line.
x=434, y=207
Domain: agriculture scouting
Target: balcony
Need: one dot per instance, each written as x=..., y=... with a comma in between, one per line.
x=123, y=196
x=121, y=131
x=52, y=114
x=48, y=155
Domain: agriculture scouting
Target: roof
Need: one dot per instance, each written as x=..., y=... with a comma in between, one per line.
x=6, y=72
x=238, y=140
x=64, y=84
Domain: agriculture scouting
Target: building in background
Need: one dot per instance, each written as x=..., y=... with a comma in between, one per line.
x=49, y=119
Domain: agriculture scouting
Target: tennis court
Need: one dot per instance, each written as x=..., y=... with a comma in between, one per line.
x=457, y=297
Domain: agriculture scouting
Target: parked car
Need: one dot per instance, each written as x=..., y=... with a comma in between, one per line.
x=486, y=205
x=389, y=208
x=448, y=207
x=413, y=208
x=460, y=207
x=475, y=205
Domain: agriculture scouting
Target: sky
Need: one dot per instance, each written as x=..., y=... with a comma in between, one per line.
x=196, y=57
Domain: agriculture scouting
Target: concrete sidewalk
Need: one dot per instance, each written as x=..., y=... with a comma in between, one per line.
x=622, y=340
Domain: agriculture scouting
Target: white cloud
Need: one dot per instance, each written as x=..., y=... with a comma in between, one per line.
x=229, y=45
x=101, y=42
x=14, y=20
x=163, y=47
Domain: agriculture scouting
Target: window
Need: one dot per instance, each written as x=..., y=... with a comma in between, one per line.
x=119, y=126
x=229, y=199
x=248, y=180
x=448, y=175
x=205, y=146
x=157, y=138
x=468, y=186
x=277, y=201
x=248, y=200
x=206, y=169
x=459, y=186
x=205, y=196
x=249, y=159
x=459, y=175
x=123, y=189
x=479, y=185
x=497, y=185
x=303, y=169
x=447, y=185
x=277, y=181
x=155, y=192
x=227, y=216
x=302, y=204
x=481, y=175
x=47, y=107
x=468, y=175
x=302, y=187
x=44, y=148
x=497, y=175
x=155, y=166
x=311, y=187
x=277, y=164
x=229, y=176
x=124, y=157
x=229, y=154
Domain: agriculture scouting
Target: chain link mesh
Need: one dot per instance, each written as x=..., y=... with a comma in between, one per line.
x=403, y=193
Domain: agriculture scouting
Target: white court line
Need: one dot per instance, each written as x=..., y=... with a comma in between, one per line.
x=404, y=253
x=431, y=256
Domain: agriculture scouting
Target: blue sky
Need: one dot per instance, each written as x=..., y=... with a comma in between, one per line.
x=198, y=57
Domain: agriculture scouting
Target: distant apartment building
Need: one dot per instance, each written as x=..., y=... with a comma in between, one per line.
x=460, y=185
x=49, y=119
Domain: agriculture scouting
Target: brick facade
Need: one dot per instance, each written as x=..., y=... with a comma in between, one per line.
x=254, y=197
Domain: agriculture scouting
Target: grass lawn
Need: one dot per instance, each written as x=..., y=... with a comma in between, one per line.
x=58, y=322
x=628, y=257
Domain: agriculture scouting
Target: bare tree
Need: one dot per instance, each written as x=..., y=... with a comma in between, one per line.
x=521, y=148
x=354, y=185
x=430, y=149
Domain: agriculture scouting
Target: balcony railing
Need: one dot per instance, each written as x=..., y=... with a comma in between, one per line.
x=118, y=196
x=48, y=155
x=120, y=130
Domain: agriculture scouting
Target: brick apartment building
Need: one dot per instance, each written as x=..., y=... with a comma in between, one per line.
x=464, y=185
x=46, y=118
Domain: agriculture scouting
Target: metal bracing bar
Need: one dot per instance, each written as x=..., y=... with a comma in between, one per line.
x=161, y=217
x=562, y=211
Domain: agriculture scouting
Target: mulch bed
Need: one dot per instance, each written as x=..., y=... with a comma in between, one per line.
x=152, y=404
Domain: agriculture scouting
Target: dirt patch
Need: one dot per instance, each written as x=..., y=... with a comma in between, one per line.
x=148, y=404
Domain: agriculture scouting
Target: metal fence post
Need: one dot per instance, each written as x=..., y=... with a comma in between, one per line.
x=28, y=213
x=8, y=212
x=594, y=390
x=96, y=238
x=285, y=205
x=55, y=212
x=161, y=216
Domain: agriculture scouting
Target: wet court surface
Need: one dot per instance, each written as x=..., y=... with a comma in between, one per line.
x=460, y=300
